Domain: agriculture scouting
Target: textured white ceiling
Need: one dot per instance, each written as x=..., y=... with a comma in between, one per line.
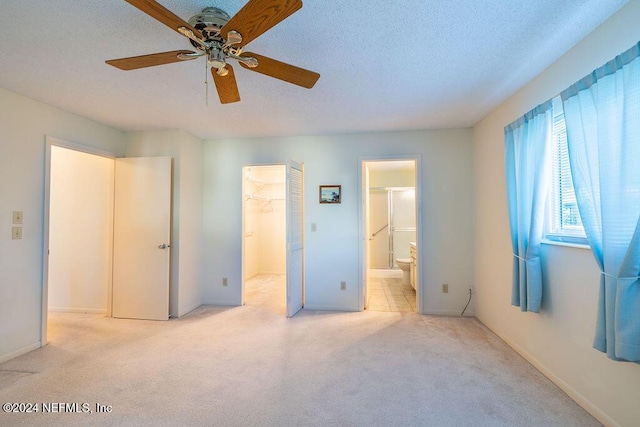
x=384, y=65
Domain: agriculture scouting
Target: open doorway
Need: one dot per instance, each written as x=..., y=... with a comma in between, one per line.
x=79, y=232
x=264, y=224
x=92, y=240
x=273, y=237
x=390, y=235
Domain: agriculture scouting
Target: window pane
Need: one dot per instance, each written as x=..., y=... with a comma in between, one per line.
x=563, y=215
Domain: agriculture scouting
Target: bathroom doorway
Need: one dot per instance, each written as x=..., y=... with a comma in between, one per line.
x=390, y=235
x=272, y=242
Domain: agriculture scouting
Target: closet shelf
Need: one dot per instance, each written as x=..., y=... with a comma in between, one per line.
x=261, y=182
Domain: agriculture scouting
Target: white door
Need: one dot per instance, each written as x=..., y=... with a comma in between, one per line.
x=367, y=233
x=295, y=239
x=142, y=225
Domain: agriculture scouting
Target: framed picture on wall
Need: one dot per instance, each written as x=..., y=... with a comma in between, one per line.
x=330, y=193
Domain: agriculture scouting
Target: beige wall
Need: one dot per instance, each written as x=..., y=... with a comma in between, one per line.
x=558, y=340
x=24, y=123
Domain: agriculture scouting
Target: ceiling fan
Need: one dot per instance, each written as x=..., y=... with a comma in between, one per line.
x=219, y=37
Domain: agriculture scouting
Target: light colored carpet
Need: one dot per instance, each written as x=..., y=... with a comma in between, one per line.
x=267, y=291
x=247, y=366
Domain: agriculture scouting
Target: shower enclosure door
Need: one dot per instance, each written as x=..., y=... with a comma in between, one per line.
x=393, y=225
x=403, y=223
x=379, y=229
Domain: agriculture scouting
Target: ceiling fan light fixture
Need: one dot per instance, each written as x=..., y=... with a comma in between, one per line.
x=214, y=34
x=216, y=58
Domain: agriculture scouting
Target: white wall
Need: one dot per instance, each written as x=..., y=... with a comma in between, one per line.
x=80, y=231
x=23, y=126
x=186, y=150
x=558, y=340
x=331, y=253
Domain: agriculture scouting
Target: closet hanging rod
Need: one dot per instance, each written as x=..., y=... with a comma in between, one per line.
x=263, y=199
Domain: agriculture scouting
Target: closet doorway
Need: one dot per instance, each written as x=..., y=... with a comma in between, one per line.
x=273, y=237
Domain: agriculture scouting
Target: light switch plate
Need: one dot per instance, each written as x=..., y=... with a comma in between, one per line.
x=16, y=233
x=17, y=217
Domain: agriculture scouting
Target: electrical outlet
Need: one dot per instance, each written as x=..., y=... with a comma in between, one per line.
x=224, y=281
x=445, y=288
x=17, y=217
x=16, y=233
x=343, y=286
x=314, y=227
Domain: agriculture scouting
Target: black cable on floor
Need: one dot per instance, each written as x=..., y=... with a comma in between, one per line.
x=465, y=307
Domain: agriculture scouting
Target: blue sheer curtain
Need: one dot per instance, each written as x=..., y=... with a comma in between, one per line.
x=527, y=148
x=602, y=114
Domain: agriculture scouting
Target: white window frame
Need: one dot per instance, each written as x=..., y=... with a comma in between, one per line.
x=555, y=229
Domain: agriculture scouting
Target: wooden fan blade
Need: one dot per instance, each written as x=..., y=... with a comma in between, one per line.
x=135, y=62
x=280, y=70
x=226, y=86
x=164, y=15
x=258, y=16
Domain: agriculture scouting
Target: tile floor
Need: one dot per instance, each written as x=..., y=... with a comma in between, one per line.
x=389, y=294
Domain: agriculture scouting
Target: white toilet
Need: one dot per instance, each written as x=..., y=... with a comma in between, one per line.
x=405, y=264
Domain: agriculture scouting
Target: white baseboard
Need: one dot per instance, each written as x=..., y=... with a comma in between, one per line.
x=20, y=351
x=78, y=310
x=588, y=406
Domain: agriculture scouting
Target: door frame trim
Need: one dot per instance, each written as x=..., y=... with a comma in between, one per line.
x=362, y=265
x=51, y=142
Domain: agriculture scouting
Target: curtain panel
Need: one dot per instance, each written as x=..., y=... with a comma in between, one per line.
x=527, y=149
x=602, y=114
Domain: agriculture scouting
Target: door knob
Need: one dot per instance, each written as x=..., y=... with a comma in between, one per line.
x=163, y=246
